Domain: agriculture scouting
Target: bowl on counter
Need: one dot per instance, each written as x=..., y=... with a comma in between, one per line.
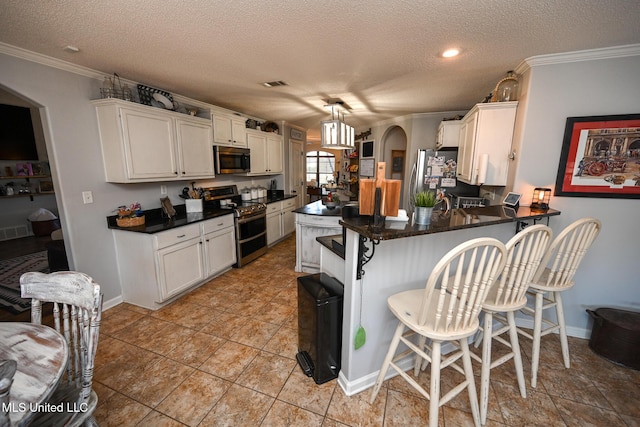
x=330, y=205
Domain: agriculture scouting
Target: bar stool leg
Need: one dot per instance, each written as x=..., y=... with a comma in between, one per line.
x=537, y=333
x=515, y=348
x=434, y=388
x=471, y=385
x=487, y=338
x=564, y=343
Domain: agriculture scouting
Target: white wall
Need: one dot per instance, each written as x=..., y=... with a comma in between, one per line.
x=608, y=275
x=75, y=157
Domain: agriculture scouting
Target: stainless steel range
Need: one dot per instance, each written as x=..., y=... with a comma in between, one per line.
x=250, y=221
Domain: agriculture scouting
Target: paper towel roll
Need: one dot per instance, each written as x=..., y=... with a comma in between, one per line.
x=482, y=168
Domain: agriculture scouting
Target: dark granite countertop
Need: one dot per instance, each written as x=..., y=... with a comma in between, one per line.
x=455, y=219
x=156, y=221
x=279, y=197
x=317, y=208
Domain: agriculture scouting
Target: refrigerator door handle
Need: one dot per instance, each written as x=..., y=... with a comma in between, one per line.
x=413, y=179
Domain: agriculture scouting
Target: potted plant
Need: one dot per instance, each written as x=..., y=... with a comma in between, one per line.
x=424, y=202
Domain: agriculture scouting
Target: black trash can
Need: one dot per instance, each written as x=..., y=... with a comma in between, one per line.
x=319, y=326
x=616, y=336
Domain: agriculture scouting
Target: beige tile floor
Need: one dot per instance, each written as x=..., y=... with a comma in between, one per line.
x=224, y=355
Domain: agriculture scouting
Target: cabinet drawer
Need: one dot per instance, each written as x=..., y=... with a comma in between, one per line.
x=177, y=235
x=289, y=203
x=217, y=224
x=274, y=207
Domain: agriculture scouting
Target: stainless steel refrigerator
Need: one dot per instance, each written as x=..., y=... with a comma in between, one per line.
x=435, y=170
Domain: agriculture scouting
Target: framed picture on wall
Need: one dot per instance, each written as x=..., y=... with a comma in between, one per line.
x=295, y=134
x=600, y=157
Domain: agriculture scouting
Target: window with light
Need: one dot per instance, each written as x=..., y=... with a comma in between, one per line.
x=321, y=166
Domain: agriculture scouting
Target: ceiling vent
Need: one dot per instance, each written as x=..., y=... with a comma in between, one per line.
x=274, y=84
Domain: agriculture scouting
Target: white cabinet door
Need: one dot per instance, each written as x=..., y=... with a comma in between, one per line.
x=274, y=154
x=222, y=130
x=466, y=148
x=258, y=145
x=239, y=133
x=195, y=147
x=149, y=149
x=486, y=130
x=180, y=267
x=448, y=134
x=220, y=250
x=229, y=131
x=274, y=227
x=288, y=222
x=266, y=153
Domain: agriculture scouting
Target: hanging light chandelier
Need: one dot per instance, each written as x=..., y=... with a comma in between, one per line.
x=335, y=133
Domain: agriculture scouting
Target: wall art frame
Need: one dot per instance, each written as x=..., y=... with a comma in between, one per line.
x=600, y=157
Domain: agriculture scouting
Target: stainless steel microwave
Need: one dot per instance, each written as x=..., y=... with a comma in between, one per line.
x=231, y=160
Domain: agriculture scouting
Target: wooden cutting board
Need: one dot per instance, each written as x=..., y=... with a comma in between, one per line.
x=366, y=196
x=390, y=189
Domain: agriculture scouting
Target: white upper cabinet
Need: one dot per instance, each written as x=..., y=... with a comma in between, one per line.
x=146, y=144
x=266, y=152
x=195, y=148
x=486, y=132
x=229, y=131
x=448, y=134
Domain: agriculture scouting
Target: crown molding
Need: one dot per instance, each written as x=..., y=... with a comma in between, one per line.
x=579, y=56
x=49, y=61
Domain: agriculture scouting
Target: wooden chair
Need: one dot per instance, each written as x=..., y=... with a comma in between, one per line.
x=7, y=371
x=77, y=310
x=524, y=254
x=446, y=310
x=554, y=276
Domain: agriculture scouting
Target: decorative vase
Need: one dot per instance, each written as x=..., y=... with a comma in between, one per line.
x=422, y=215
x=506, y=89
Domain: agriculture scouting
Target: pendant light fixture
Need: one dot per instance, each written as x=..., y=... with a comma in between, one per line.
x=335, y=133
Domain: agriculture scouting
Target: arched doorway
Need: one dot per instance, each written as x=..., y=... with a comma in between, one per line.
x=394, y=154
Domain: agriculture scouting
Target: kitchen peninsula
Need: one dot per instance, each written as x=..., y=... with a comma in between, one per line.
x=398, y=256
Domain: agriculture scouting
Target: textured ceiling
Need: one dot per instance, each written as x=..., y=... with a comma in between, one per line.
x=379, y=56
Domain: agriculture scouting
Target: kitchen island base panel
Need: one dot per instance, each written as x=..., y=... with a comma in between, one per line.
x=398, y=265
x=308, y=227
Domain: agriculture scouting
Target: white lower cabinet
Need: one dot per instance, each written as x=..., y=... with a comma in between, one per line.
x=281, y=220
x=154, y=268
x=180, y=266
x=219, y=244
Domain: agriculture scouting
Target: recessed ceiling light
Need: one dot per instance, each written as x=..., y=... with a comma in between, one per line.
x=72, y=49
x=450, y=53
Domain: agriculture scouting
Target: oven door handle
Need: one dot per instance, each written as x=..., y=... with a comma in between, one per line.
x=253, y=217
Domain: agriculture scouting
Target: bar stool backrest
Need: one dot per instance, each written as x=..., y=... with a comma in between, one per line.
x=566, y=252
